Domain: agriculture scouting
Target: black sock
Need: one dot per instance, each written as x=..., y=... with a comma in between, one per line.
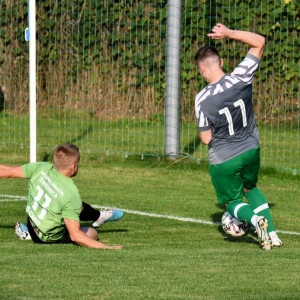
x=88, y=213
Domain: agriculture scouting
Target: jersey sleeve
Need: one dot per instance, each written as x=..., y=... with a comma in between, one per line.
x=30, y=168
x=246, y=69
x=202, y=121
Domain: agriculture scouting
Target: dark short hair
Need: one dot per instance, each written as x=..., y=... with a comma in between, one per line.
x=206, y=52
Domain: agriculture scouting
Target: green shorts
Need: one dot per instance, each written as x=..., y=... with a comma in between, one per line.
x=231, y=177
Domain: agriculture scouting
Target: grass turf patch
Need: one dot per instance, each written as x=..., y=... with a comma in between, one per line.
x=162, y=258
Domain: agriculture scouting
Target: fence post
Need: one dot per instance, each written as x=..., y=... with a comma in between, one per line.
x=172, y=133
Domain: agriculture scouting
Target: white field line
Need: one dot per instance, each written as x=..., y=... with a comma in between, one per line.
x=153, y=215
x=12, y=198
x=191, y=220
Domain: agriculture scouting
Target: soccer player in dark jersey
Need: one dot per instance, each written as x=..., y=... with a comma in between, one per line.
x=226, y=121
x=54, y=206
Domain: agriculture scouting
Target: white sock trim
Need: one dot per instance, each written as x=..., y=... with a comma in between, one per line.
x=254, y=221
x=261, y=208
x=237, y=208
x=273, y=235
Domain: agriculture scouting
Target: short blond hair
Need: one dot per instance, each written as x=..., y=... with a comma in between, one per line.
x=65, y=155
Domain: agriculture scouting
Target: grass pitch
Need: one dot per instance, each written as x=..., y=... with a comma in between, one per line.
x=173, y=246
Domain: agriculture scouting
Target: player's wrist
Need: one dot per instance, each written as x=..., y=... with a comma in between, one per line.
x=229, y=33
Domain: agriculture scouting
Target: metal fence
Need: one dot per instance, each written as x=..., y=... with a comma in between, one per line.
x=103, y=80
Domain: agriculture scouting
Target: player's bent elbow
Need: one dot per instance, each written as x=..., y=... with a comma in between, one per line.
x=205, y=140
x=205, y=137
x=84, y=236
x=261, y=42
x=75, y=237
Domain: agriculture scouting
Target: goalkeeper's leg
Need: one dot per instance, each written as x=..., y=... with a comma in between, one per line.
x=99, y=217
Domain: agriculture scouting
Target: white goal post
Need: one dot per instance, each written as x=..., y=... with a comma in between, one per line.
x=30, y=35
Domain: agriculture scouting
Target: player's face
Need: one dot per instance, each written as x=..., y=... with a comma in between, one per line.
x=75, y=169
x=203, y=71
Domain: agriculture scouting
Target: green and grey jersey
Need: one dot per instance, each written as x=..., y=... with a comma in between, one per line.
x=52, y=197
x=226, y=108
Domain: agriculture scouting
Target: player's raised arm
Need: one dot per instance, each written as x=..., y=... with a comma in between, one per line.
x=11, y=171
x=256, y=41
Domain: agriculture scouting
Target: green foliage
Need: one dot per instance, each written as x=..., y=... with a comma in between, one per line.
x=131, y=35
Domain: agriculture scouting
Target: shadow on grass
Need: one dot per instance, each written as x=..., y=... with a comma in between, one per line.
x=49, y=155
x=81, y=136
x=191, y=147
x=242, y=239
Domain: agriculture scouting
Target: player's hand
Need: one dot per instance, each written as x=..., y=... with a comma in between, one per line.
x=220, y=31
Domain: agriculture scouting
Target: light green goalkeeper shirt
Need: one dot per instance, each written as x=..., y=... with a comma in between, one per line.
x=52, y=197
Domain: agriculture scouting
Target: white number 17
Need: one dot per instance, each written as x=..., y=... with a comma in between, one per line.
x=226, y=112
x=37, y=198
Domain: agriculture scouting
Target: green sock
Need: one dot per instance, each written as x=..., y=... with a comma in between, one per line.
x=260, y=206
x=241, y=210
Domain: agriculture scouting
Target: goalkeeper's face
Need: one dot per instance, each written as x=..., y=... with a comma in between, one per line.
x=75, y=168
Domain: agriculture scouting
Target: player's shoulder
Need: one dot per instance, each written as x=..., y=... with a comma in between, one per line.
x=41, y=165
x=33, y=167
x=203, y=94
x=249, y=61
x=246, y=68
